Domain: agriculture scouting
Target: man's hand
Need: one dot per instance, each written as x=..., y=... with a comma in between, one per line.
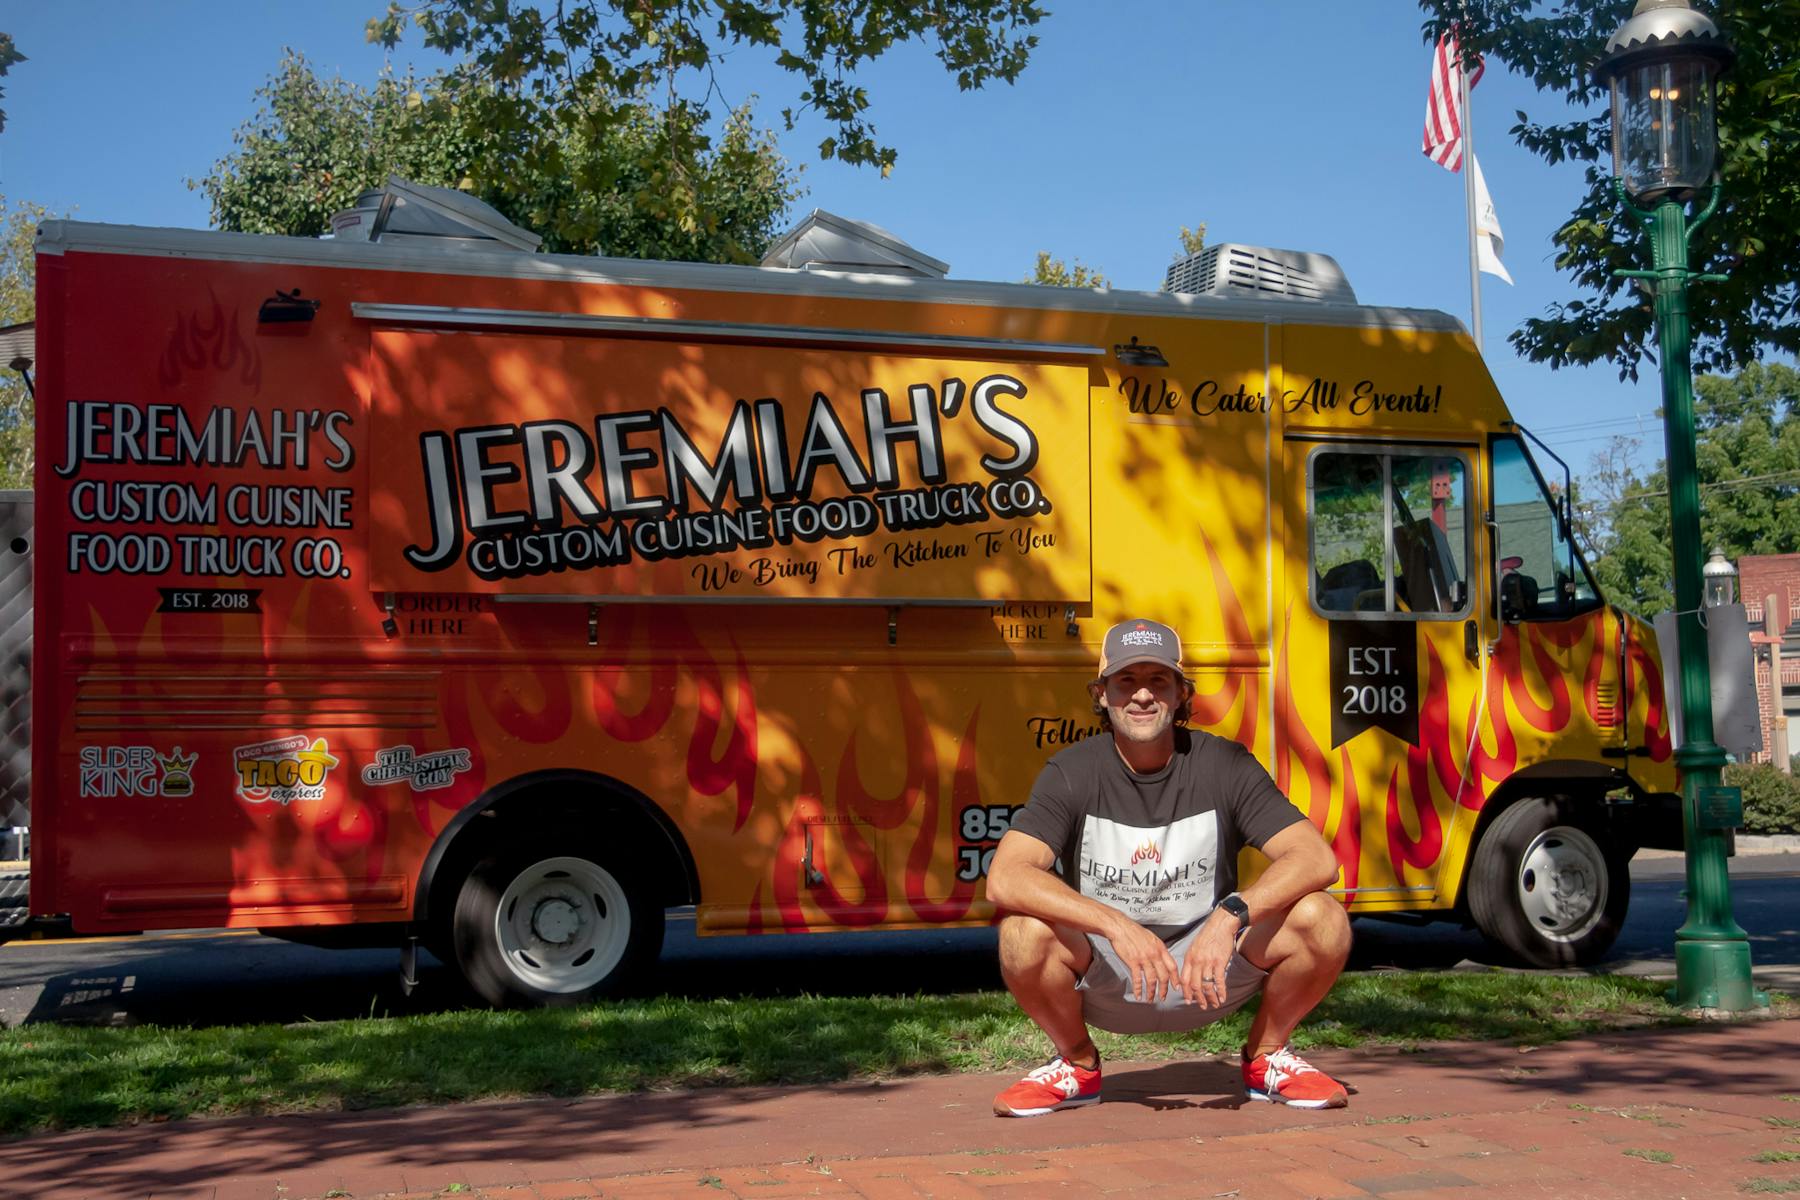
x=1152, y=968
x=1203, y=973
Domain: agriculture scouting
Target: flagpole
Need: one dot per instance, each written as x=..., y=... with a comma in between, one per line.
x=1468, y=154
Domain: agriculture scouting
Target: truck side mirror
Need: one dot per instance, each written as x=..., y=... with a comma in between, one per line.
x=1518, y=597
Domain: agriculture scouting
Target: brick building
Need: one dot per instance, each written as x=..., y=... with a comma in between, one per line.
x=1759, y=576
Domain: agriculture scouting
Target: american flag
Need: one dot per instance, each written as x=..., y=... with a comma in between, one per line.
x=1443, y=107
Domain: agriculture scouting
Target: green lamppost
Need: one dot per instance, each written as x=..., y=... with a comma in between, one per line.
x=1661, y=67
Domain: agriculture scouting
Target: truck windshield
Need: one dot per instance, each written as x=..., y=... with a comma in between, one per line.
x=1542, y=577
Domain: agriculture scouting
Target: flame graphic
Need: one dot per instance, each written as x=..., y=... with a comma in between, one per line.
x=209, y=340
x=1656, y=718
x=965, y=790
x=1209, y=709
x=1294, y=741
x=1432, y=758
x=1147, y=851
x=890, y=812
x=1551, y=719
x=858, y=816
x=791, y=857
x=1346, y=841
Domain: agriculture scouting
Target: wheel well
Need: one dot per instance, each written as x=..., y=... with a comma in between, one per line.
x=1542, y=782
x=583, y=800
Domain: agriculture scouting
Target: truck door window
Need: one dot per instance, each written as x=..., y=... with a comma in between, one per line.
x=1390, y=533
x=1541, y=575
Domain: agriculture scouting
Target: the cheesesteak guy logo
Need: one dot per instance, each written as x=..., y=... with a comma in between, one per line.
x=554, y=495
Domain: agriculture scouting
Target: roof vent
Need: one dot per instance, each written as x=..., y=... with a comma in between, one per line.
x=827, y=242
x=1257, y=272
x=439, y=217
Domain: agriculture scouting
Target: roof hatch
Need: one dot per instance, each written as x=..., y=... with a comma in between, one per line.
x=419, y=214
x=827, y=242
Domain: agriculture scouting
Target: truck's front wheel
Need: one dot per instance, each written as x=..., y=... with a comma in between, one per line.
x=546, y=923
x=1548, y=886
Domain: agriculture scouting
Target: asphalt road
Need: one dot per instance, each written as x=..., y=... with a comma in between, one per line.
x=204, y=978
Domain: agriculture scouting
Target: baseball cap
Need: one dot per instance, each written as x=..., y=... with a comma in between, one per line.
x=1139, y=641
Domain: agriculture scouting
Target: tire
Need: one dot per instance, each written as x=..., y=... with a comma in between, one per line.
x=1547, y=886
x=541, y=922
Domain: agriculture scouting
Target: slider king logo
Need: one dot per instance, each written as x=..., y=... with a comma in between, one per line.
x=284, y=770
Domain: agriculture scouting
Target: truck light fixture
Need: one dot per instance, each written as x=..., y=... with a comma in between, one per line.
x=22, y=365
x=285, y=308
x=1136, y=354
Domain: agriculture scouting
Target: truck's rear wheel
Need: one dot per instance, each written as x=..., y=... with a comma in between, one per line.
x=1547, y=886
x=541, y=922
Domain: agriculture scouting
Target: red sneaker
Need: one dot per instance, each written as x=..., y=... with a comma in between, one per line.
x=1283, y=1077
x=1059, y=1083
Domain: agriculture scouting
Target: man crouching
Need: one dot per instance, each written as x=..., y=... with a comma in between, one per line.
x=1119, y=879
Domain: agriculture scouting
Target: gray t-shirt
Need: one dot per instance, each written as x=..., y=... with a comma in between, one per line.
x=1161, y=848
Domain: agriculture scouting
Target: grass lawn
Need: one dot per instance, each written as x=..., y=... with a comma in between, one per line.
x=62, y=1077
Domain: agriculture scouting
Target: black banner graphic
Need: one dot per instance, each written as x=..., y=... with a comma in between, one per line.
x=1374, y=679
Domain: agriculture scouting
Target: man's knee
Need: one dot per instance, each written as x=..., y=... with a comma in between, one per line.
x=1322, y=923
x=1025, y=943
x=1030, y=947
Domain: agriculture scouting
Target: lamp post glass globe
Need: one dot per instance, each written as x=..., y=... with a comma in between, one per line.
x=1661, y=67
x=1721, y=580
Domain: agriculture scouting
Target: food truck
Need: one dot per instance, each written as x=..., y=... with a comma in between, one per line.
x=413, y=586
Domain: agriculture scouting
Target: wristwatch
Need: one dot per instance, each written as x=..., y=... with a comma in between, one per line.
x=1234, y=904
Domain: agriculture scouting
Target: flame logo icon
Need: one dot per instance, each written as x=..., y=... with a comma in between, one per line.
x=1146, y=852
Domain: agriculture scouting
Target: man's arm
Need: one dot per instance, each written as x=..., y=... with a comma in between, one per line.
x=1021, y=879
x=1299, y=863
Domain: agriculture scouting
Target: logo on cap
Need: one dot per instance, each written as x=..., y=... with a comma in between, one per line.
x=1131, y=642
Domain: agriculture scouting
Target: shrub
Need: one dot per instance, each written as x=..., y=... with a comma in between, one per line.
x=1771, y=799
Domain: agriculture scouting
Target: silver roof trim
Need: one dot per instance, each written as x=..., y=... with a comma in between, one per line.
x=61, y=237
x=439, y=317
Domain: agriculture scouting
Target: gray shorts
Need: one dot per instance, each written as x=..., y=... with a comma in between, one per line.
x=1108, y=1000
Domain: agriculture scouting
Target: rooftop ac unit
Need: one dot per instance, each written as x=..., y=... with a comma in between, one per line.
x=1257, y=272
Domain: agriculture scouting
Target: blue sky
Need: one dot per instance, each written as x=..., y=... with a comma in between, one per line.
x=1287, y=123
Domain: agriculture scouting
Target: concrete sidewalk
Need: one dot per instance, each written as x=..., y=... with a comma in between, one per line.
x=1652, y=1113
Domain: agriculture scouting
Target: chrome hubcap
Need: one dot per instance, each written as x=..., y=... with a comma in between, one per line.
x=1562, y=883
x=562, y=925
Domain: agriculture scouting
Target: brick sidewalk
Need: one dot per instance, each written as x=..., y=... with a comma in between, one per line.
x=1669, y=1113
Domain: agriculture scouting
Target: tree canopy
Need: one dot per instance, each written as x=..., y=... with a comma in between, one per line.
x=9, y=55
x=1756, y=234
x=18, y=303
x=314, y=144
x=1054, y=272
x=578, y=69
x=1748, y=460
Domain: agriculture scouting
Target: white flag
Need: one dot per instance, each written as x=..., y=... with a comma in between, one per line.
x=1490, y=243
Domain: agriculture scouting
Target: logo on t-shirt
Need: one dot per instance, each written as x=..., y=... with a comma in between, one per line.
x=1160, y=876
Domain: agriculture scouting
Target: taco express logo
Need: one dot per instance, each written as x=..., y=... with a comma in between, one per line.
x=284, y=770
